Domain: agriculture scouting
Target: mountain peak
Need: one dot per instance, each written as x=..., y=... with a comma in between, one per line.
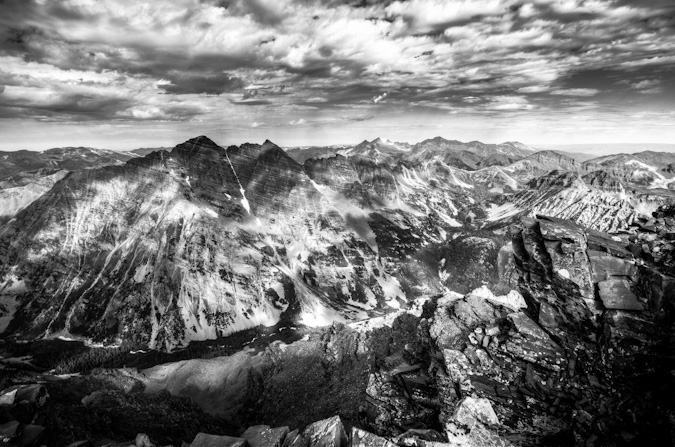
x=380, y=140
x=197, y=145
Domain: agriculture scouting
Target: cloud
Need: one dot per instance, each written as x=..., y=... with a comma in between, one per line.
x=198, y=84
x=379, y=98
x=298, y=122
x=509, y=103
x=533, y=89
x=648, y=86
x=107, y=60
x=256, y=124
x=575, y=92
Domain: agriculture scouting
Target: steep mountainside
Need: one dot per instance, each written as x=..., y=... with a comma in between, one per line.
x=203, y=241
x=26, y=191
x=642, y=169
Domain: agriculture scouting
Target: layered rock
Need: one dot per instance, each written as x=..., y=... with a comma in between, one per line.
x=565, y=195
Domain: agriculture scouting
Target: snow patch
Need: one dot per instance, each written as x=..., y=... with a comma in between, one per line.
x=141, y=272
x=321, y=315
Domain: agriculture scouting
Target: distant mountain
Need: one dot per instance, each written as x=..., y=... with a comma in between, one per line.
x=576, y=156
x=26, y=175
x=68, y=158
x=565, y=195
x=143, y=151
x=598, y=150
x=642, y=168
x=301, y=154
x=540, y=163
x=470, y=156
x=380, y=150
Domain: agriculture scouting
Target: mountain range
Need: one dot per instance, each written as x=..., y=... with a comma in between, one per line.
x=204, y=241
x=443, y=293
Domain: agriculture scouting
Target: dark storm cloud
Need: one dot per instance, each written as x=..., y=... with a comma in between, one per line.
x=74, y=107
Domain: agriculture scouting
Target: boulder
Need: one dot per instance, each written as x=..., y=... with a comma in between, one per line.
x=326, y=433
x=143, y=440
x=605, y=266
x=264, y=436
x=294, y=439
x=83, y=443
x=7, y=397
x=616, y=294
x=415, y=437
x=458, y=368
x=362, y=438
x=471, y=411
x=9, y=430
x=31, y=435
x=532, y=344
x=205, y=440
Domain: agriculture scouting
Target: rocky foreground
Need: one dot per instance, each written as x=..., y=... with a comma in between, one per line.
x=578, y=353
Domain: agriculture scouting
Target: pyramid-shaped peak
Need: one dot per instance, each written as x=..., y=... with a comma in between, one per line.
x=194, y=146
x=201, y=140
x=268, y=144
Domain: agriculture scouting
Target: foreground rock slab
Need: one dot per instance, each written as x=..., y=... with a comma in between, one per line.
x=204, y=440
x=362, y=438
x=327, y=433
x=264, y=436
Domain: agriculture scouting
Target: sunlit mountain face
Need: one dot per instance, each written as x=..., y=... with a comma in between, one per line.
x=337, y=223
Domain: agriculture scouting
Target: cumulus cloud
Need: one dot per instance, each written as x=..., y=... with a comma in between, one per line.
x=648, y=86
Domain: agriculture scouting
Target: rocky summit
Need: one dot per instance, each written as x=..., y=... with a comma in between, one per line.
x=385, y=294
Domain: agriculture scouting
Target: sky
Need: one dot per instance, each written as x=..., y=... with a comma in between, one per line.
x=140, y=73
